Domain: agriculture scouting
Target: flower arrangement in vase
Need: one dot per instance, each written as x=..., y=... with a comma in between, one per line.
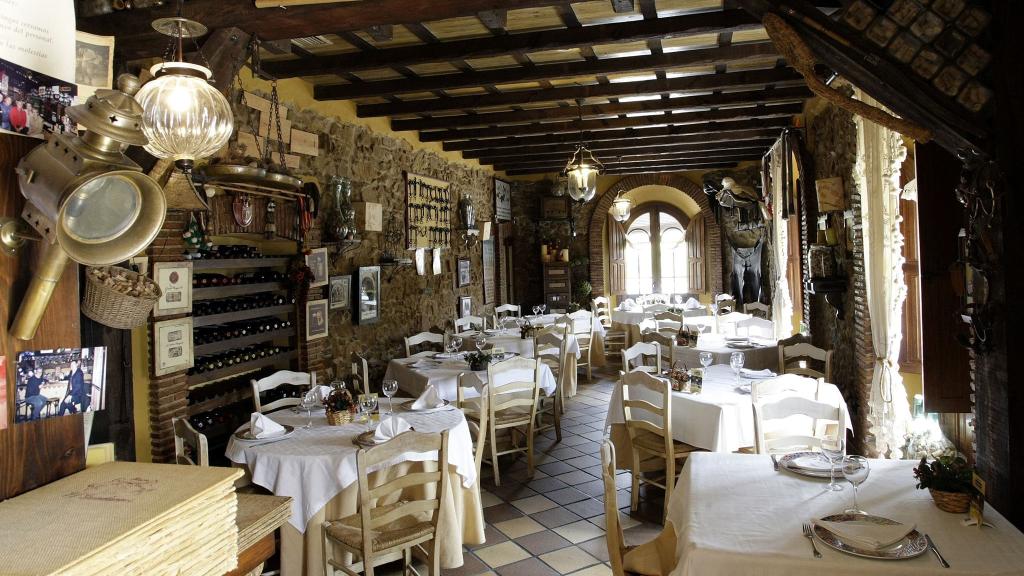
x=340, y=406
x=478, y=360
x=948, y=479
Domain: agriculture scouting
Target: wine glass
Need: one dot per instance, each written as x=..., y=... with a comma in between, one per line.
x=307, y=404
x=714, y=309
x=543, y=308
x=678, y=299
x=855, y=470
x=832, y=449
x=736, y=361
x=706, y=358
x=455, y=344
x=536, y=310
x=389, y=387
x=480, y=342
x=368, y=404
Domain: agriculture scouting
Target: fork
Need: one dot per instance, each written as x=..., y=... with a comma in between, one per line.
x=810, y=536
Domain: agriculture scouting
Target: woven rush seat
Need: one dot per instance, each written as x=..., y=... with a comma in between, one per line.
x=405, y=529
x=654, y=443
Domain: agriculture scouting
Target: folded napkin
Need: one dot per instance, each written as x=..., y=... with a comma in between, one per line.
x=318, y=394
x=692, y=304
x=263, y=427
x=743, y=389
x=750, y=373
x=867, y=534
x=391, y=427
x=429, y=399
x=424, y=364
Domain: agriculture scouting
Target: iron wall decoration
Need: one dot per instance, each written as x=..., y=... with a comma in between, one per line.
x=502, y=200
x=428, y=212
x=366, y=295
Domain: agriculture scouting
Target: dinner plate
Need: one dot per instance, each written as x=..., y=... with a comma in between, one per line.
x=740, y=345
x=407, y=405
x=248, y=437
x=449, y=355
x=366, y=439
x=791, y=462
x=910, y=546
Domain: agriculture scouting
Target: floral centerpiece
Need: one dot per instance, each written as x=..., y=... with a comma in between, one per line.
x=478, y=360
x=340, y=406
x=679, y=377
x=948, y=479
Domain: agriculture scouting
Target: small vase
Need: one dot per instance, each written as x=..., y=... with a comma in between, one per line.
x=338, y=418
x=952, y=502
x=478, y=366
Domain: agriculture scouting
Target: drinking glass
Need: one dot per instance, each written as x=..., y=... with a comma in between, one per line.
x=855, y=470
x=736, y=361
x=706, y=358
x=307, y=405
x=543, y=308
x=536, y=310
x=368, y=405
x=714, y=309
x=455, y=342
x=677, y=299
x=480, y=342
x=832, y=449
x=389, y=387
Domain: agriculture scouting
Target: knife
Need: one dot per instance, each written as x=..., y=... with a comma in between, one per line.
x=935, y=550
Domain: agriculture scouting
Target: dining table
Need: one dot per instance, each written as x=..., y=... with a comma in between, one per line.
x=415, y=373
x=633, y=321
x=736, y=515
x=719, y=418
x=511, y=340
x=316, y=468
x=597, y=357
x=758, y=353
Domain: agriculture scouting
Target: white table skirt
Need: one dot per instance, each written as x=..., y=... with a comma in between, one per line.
x=735, y=516
x=511, y=341
x=765, y=355
x=719, y=419
x=414, y=381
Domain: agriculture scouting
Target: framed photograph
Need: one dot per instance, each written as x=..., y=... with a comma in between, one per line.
x=175, y=281
x=465, y=306
x=462, y=273
x=316, y=319
x=555, y=208
x=341, y=292
x=367, y=295
x=51, y=383
x=172, y=345
x=317, y=262
x=502, y=200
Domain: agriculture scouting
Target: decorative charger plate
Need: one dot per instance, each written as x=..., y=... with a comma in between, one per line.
x=741, y=345
x=407, y=405
x=789, y=463
x=910, y=546
x=366, y=439
x=248, y=437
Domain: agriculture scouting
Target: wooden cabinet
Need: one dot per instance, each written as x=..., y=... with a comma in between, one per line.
x=557, y=285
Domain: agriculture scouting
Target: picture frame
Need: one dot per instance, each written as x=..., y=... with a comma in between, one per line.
x=317, y=262
x=175, y=282
x=75, y=379
x=555, y=208
x=465, y=306
x=173, y=346
x=366, y=295
x=341, y=292
x=317, y=319
x=463, y=273
x=502, y=200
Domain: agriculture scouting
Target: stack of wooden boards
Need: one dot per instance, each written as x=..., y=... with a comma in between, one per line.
x=124, y=518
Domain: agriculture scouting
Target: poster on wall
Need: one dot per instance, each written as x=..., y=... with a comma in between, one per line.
x=502, y=200
x=53, y=383
x=94, y=63
x=37, y=67
x=4, y=415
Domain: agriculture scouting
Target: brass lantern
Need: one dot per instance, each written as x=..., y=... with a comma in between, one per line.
x=582, y=171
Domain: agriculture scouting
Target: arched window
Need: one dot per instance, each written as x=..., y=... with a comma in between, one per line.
x=656, y=251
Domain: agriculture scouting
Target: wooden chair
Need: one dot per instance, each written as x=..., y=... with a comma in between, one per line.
x=190, y=445
x=512, y=406
x=755, y=326
x=378, y=532
x=614, y=340
x=642, y=351
x=790, y=437
x=664, y=342
x=279, y=378
x=702, y=311
x=655, y=556
x=647, y=407
x=361, y=371
x=469, y=323
x=551, y=348
x=796, y=355
x=428, y=338
x=476, y=416
x=508, y=310
x=758, y=309
x=582, y=323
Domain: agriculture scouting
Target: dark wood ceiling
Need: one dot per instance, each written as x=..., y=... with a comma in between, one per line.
x=648, y=85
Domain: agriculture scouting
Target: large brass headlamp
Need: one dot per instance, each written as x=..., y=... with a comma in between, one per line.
x=85, y=198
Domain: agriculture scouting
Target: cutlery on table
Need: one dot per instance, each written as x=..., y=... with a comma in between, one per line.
x=775, y=462
x=810, y=536
x=935, y=550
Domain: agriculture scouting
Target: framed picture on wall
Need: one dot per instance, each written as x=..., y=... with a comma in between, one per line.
x=555, y=208
x=316, y=319
x=175, y=281
x=465, y=306
x=341, y=292
x=463, y=277
x=172, y=344
x=317, y=262
x=502, y=200
x=366, y=293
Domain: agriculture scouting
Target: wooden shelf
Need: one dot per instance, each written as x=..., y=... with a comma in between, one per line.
x=234, y=263
x=236, y=290
x=240, y=368
x=242, y=342
x=236, y=395
x=224, y=317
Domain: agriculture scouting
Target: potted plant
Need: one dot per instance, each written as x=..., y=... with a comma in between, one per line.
x=948, y=479
x=478, y=360
x=339, y=405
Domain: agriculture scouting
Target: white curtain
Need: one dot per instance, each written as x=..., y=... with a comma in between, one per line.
x=880, y=152
x=782, y=305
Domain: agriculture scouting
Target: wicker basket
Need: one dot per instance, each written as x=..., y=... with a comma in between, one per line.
x=112, y=308
x=952, y=502
x=339, y=418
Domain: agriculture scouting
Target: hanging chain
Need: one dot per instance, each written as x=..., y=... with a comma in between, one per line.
x=275, y=109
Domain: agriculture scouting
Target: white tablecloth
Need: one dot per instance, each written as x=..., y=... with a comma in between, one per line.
x=719, y=419
x=726, y=322
x=512, y=341
x=765, y=355
x=630, y=317
x=548, y=319
x=735, y=516
x=445, y=377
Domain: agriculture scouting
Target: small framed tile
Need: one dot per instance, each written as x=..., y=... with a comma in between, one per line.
x=974, y=96
x=927, y=26
x=903, y=12
x=950, y=80
x=948, y=9
x=859, y=14
x=950, y=42
x=904, y=47
x=927, y=63
x=974, y=59
x=882, y=30
x=973, y=20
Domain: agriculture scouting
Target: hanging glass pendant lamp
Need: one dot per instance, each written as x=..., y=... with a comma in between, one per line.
x=582, y=169
x=621, y=208
x=184, y=117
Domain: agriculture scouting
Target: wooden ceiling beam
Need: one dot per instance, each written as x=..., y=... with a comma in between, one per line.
x=566, y=147
x=654, y=161
x=510, y=156
x=749, y=97
x=509, y=162
x=639, y=169
x=575, y=126
x=619, y=136
x=699, y=83
x=545, y=72
x=674, y=27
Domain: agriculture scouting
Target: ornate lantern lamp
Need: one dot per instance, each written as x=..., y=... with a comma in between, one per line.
x=582, y=171
x=621, y=208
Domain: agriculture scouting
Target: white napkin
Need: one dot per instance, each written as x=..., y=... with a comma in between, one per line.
x=318, y=394
x=864, y=534
x=424, y=364
x=428, y=400
x=743, y=389
x=750, y=373
x=391, y=427
x=691, y=304
x=263, y=427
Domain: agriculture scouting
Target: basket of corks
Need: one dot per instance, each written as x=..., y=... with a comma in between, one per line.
x=118, y=297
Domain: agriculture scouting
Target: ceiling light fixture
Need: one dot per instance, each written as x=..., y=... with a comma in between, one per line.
x=621, y=208
x=583, y=168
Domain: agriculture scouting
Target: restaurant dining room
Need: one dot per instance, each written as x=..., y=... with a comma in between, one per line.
x=511, y=288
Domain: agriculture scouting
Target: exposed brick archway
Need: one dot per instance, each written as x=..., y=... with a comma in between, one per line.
x=712, y=249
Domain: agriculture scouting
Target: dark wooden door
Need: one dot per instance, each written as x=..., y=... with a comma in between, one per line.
x=910, y=348
x=616, y=257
